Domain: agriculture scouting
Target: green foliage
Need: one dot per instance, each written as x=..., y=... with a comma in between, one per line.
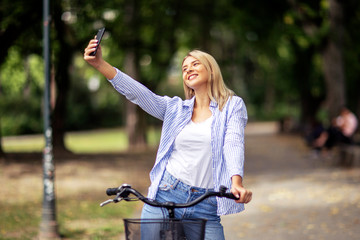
x=270, y=58
x=14, y=73
x=21, y=95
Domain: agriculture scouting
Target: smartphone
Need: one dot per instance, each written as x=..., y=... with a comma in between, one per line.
x=99, y=36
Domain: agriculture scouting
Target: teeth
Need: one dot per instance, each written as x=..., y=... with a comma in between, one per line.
x=192, y=77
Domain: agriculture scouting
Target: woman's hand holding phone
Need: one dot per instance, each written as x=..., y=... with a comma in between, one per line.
x=93, y=60
x=92, y=53
x=96, y=59
x=98, y=37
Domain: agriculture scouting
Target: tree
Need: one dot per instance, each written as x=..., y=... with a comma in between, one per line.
x=351, y=52
x=333, y=63
x=134, y=122
x=271, y=58
x=63, y=55
x=2, y=154
x=322, y=26
x=145, y=34
x=16, y=20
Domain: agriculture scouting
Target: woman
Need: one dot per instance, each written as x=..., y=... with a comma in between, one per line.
x=202, y=140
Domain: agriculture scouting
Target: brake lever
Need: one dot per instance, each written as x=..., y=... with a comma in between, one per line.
x=106, y=202
x=115, y=200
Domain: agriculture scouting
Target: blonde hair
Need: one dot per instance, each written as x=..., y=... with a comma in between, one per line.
x=217, y=90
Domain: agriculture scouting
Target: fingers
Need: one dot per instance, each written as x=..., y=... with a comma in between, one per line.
x=89, y=49
x=93, y=60
x=243, y=194
x=248, y=197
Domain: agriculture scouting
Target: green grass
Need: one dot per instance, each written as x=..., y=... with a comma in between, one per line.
x=84, y=220
x=88, y=220
x=33, y=143
x=96, y=141
x=19, y=221
x=76, y=219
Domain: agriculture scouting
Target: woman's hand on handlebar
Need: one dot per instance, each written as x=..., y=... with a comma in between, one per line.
x=239, y=191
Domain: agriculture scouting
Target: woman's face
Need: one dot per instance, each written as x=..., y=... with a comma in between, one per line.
x=194, y=74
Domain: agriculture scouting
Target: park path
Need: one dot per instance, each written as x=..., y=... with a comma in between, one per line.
x=295, y=196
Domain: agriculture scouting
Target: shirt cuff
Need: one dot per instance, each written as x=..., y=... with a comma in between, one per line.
x=116, y=76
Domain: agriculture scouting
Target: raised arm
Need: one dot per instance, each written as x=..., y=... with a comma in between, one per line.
x=97, y=61
x=134, y=91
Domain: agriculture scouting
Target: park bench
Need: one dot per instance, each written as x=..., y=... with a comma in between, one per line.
x=349, y=154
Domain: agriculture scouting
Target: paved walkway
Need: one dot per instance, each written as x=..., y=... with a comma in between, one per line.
x=295, y=196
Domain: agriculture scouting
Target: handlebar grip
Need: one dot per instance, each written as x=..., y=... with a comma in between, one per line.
x=230, y=195
x=112, y=191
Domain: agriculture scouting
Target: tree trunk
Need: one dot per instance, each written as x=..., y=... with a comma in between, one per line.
x=135, y=121
x=310, y=103
x=2, y=154
x=63, y=59
x=357, y=104
x=1, y=148
x=59, y=112
x=333, y=67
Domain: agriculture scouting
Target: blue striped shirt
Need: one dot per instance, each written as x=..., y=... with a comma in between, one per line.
x=227, y=134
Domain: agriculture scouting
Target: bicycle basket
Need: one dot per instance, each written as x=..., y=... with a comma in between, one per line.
x=164, y=229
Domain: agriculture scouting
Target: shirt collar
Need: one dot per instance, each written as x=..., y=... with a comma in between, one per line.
x=213, y=104
x=191, y=101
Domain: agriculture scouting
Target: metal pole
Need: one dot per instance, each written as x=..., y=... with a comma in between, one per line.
x=48, y=225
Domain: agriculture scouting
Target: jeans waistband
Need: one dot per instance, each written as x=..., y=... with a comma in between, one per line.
x=177, y=183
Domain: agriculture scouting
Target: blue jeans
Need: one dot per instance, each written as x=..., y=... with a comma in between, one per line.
x=173, y=190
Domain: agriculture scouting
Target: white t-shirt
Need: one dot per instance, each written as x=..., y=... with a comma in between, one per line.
x=191, y=160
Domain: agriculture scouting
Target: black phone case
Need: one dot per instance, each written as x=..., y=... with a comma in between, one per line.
x=99, y=36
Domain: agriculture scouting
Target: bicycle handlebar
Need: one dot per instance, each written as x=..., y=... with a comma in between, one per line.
x=123, y=192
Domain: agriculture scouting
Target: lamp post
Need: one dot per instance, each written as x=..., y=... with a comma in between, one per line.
x=48, y=225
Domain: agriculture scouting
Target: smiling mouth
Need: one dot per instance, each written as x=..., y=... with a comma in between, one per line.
x=192, y=76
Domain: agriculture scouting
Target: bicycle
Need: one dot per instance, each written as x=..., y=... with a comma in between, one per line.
x=165, y=228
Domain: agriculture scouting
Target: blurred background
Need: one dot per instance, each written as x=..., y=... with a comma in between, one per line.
x=289, y=60
x=294, y=62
